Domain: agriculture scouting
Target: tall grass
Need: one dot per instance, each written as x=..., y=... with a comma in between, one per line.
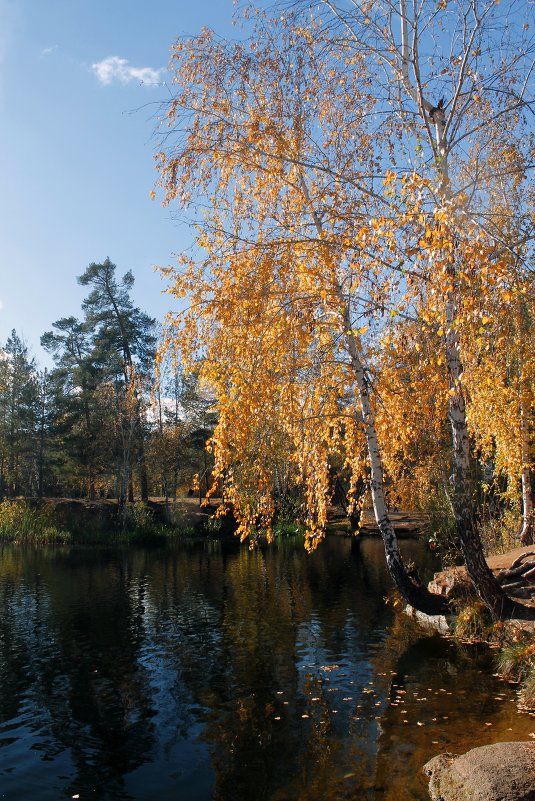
x=517, y=663
x=22, y=522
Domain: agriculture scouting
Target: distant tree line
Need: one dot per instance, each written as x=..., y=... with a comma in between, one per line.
x=99, y=424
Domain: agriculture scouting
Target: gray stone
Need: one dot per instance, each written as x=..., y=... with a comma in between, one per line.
x=436, y=622
x=499, y=772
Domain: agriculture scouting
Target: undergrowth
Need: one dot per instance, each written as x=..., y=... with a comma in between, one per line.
x=23, y=523
x=515, y=660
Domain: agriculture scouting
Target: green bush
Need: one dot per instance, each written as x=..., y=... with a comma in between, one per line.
x=140, y=526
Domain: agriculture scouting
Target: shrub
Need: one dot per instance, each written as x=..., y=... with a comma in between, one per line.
x=22, y=522
x=441, y=522
x=473, y=622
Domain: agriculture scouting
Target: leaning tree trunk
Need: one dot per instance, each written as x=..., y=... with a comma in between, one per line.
x=485, y=583
x=412, y=590
x=414, y=593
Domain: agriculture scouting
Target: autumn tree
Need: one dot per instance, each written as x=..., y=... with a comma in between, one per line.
x=279, y=136
x=499, y=332
x=342, y=160
x=414, y=404
x=450, y=77
x=183, y=420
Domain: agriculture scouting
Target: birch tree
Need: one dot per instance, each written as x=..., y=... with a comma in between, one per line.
x=451, y=77
x=274, y=142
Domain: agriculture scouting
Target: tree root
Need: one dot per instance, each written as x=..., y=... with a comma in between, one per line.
x=519, y=579
x=521, y=558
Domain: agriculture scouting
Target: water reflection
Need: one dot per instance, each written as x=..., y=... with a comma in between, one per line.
x=210, y=672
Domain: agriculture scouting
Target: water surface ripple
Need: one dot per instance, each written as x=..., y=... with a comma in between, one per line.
x=208, y=672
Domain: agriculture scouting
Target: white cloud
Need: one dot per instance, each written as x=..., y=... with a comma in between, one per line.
x=119, y=69
x=48, y=50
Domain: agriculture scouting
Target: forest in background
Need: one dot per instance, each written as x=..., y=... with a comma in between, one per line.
x=103, y=422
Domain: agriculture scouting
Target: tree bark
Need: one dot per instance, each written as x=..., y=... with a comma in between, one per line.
x=486, y=584
x=528, y=522
x=414, y=593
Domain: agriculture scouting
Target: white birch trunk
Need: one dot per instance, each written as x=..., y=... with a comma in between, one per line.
x=527, y=489
x=414, y=593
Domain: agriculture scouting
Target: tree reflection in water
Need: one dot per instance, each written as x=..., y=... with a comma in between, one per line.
x=211, y=672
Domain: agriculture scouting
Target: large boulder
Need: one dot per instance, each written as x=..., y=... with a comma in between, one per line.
x=499, y=772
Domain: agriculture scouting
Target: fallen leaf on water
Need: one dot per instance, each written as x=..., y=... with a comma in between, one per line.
x=349, y=775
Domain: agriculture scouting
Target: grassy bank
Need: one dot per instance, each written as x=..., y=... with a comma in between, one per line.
x=22, y=522
x=515, y=654
x=77, y=521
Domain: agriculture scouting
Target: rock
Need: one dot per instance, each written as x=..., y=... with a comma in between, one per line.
x=455, y=584
x=498, y=772
x=436, y=622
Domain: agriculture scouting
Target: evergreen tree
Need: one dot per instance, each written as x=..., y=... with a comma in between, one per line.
x=19, y=400
x=124, y=344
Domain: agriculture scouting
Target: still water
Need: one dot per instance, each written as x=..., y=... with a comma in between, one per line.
x=204, y=671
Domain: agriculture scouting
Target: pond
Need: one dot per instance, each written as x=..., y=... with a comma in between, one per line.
x=206, y=671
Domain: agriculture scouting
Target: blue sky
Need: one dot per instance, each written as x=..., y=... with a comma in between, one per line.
x=79, y=85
